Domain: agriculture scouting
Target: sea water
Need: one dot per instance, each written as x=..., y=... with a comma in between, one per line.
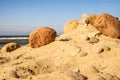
x=22, y=40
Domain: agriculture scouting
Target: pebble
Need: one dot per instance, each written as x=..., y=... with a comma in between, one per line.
x=46, y=66
x=100, y=50
x=76, y=70
x=94, y=40
x=87, y=38
x=83, y=54
x=64, y=39
x=107, y=48
x=98, y=77
x=98, y=34
x=87, y=21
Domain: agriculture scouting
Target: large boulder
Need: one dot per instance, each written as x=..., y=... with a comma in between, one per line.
x=10, y=47
x=71, y=25
x=108, y=25
x=41, y=37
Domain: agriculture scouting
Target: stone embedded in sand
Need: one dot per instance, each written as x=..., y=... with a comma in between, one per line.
x=87, y=38
x=64, y=39
x=107, y=48
x=71, y=25
x=41, y=37
x=76, y=70
x=99, y=50
x=94, y=40
x=83, y=54
x=108, y=25
x=10, y=47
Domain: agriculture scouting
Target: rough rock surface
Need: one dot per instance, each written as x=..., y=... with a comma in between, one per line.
x=74, y=24
x=108, y=25
x=88, y=19
x=71, y=25
x=41, y=37
x=10, y=47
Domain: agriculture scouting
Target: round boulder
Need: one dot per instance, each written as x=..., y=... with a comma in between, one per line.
x=71, y=25
x=41, y=37
x=10, y=47
x=108, y=25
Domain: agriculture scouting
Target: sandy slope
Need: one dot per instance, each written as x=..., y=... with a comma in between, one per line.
x=70, y=57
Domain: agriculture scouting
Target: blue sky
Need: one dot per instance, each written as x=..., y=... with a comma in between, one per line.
x=20, y=17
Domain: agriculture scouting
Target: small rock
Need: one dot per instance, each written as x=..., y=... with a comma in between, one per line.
x=93, y=40
x=107, y=48
x=64, y=39
x=87, y=38
x=46, y=66
x=83, y=54
x=100, y=50
x=98, y=34
x=88, y=19
x=76, y=70
x=10, y=47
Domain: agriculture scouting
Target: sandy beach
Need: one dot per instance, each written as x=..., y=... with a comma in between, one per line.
x=70, y=57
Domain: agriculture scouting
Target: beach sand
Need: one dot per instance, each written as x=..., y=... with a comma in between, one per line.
x=71, y=56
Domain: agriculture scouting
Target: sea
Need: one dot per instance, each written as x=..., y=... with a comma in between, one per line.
x=20, y=39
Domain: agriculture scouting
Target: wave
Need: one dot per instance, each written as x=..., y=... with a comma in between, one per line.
x=22, y=40
x=13, y=38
